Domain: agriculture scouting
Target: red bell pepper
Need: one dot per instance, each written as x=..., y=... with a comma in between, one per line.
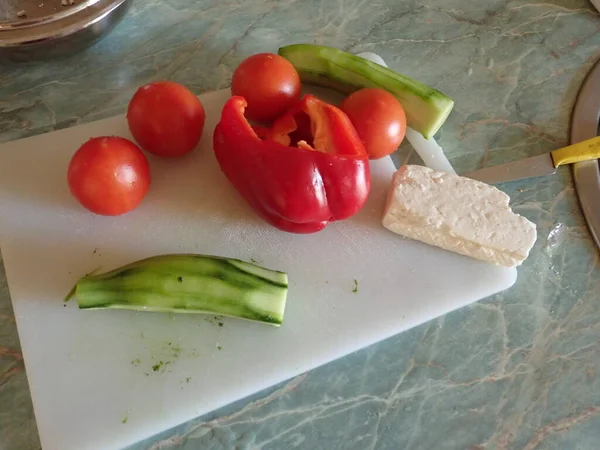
x=309, y=169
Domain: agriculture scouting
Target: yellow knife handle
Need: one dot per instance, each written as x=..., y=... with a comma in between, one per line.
x=582, y=151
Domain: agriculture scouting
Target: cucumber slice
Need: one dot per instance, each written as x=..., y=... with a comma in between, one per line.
x=188, y=283
x=426, y=108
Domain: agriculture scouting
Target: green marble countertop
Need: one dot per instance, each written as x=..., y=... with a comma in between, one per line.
x=519, y=370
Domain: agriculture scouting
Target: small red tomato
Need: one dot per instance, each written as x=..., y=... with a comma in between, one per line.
x=109, y=175
x=379, y=119
x=269, y=83
x=166, y=118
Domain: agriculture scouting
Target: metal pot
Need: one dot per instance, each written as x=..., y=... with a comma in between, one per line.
x=585, y=124
x=41, y=29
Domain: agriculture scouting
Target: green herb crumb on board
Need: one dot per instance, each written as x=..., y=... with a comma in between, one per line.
x=355, y=288
x=175, y=350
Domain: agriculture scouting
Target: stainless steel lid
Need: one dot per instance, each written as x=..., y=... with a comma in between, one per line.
x=584, y=125
x=24, y=22
x=18, y=13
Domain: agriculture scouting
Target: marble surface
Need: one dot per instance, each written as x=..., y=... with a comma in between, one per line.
x=519, y=370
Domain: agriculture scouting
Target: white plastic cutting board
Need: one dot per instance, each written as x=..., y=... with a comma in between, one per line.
x=91, y=372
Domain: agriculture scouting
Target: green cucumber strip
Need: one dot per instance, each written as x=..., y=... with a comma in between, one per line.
x=426, y=108
x=188, y=283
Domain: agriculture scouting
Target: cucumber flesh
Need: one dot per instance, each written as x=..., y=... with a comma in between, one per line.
x=188, y=283
x=426, y=108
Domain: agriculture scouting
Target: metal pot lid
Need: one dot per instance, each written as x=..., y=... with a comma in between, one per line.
x=31, y=21
x=585, y=123
x=27, y=13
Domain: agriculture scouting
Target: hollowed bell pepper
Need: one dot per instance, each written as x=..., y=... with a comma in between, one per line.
x=309, y=169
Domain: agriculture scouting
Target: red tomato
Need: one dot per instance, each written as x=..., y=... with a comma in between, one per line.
x=166, y=118
x=379, y=119
x=109, y=175
x=269, y=83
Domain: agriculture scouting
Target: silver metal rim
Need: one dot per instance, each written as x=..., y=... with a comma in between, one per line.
x=584, y=125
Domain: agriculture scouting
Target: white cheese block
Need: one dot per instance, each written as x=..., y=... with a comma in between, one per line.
x=457, y=214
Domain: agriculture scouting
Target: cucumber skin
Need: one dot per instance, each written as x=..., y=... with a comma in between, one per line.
x=426, y=108
x=188, y=283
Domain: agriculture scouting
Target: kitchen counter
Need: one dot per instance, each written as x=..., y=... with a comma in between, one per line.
x=519, y=370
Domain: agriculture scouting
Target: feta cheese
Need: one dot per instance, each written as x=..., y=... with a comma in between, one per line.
x=457, y=214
